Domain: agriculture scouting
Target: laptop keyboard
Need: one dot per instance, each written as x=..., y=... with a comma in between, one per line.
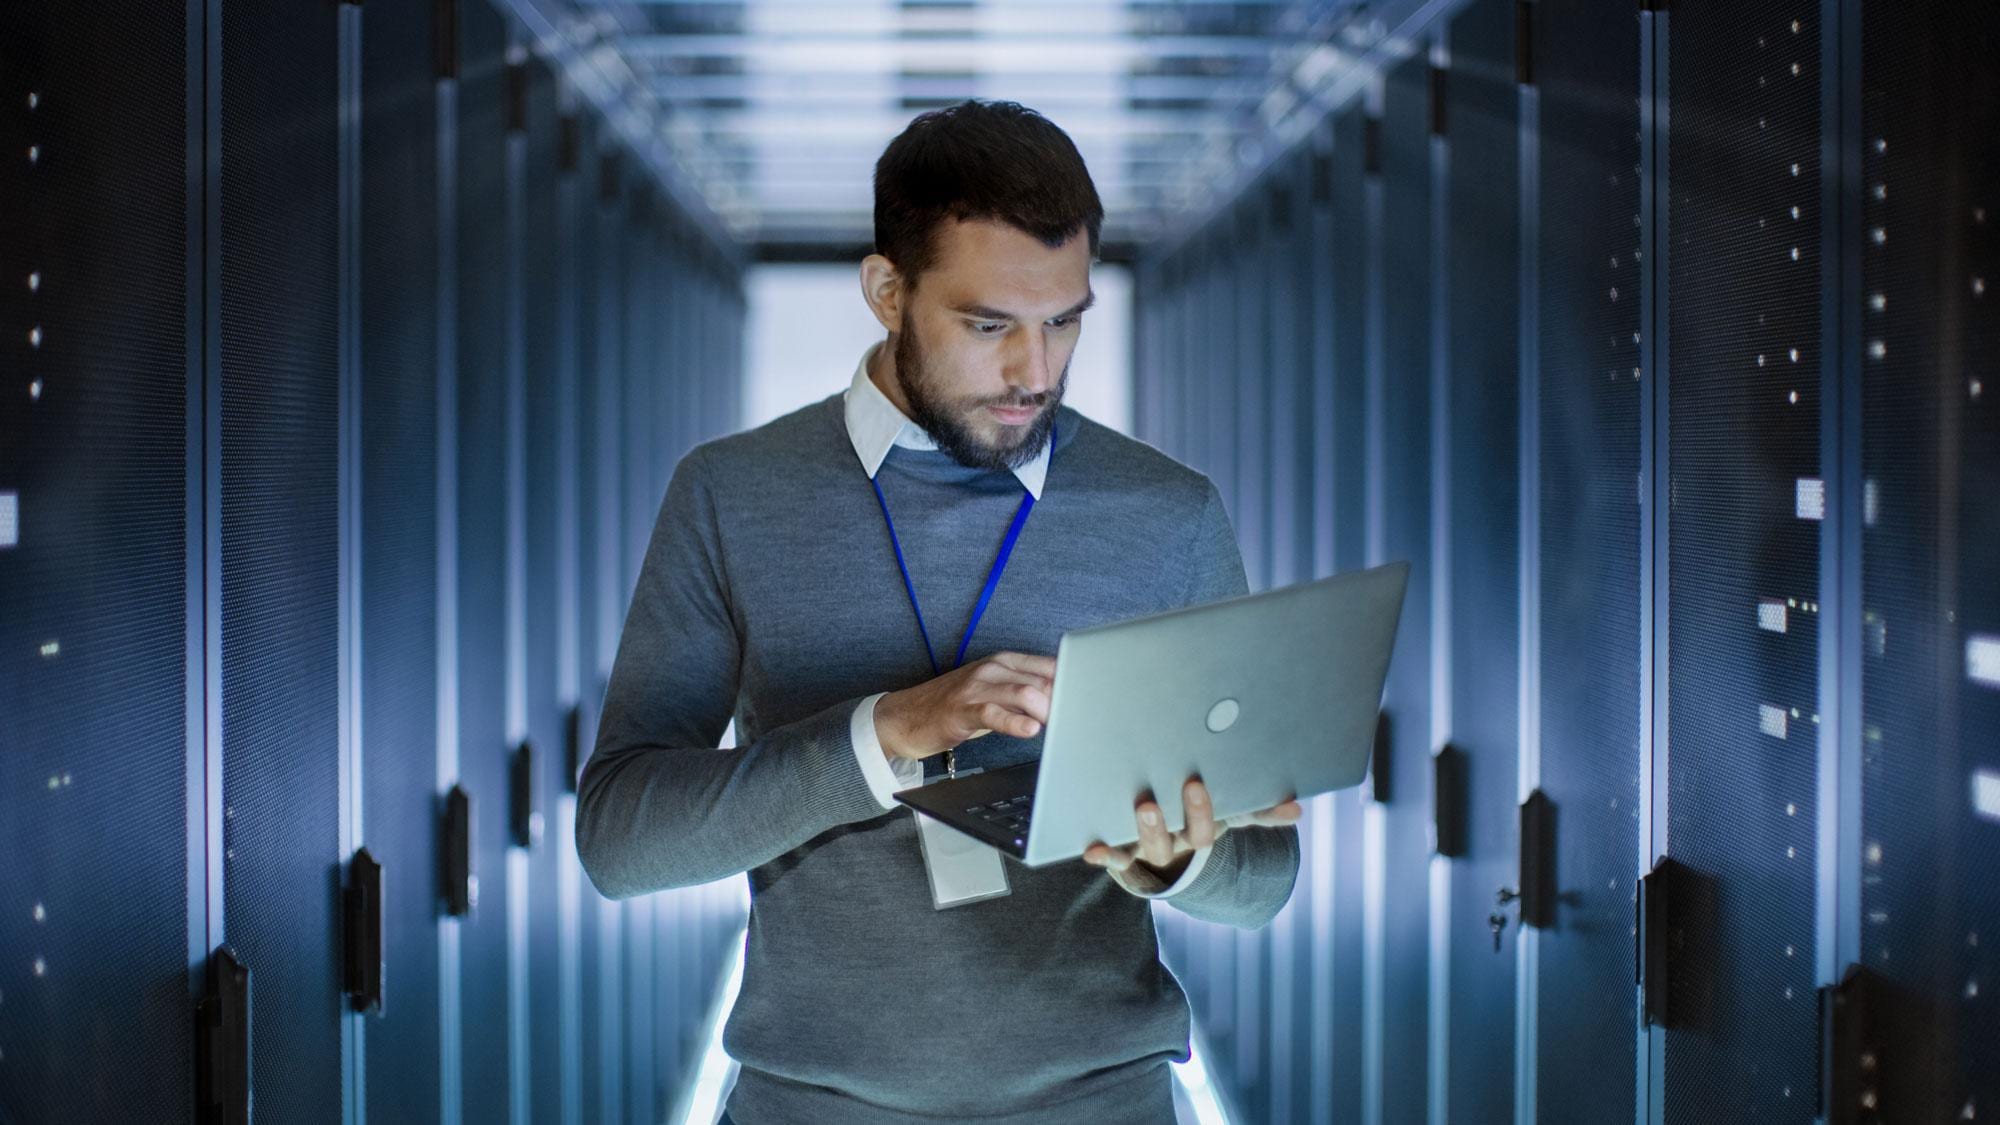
x=1009, y=815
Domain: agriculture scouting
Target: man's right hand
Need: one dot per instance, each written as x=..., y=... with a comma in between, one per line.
x=1006, y=692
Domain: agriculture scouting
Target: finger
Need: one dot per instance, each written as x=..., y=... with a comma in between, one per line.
x=1103, y=855
x=999, y=717
x=994, y=672
x=1031, y=700
x=1043, y=666
x=1285, y=812
x=1200, y=830
x=1155, y=846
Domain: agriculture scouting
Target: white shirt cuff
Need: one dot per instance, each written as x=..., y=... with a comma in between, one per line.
x=884, y=778
x=1142, y=883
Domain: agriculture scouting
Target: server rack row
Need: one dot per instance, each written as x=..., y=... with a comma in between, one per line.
x=1660, y=341
x=346, y=356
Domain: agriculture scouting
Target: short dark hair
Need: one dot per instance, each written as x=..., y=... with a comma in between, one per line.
x=980, y=160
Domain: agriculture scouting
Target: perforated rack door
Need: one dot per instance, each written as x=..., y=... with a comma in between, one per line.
x=399, y=544
x=1405, y=282
x=280, y=541
x=1929, y=364
x=1482, y=403
x=1586, y=63
x=482, y=552
x=1744, y=519
x=94, y=368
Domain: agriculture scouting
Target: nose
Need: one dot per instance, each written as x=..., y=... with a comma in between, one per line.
x=1027, y=366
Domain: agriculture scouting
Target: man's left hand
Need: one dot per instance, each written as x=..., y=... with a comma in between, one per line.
x=1166, y=853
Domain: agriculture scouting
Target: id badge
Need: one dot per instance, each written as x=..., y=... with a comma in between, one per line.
x=962, y=869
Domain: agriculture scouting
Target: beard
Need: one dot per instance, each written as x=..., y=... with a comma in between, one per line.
x=951, y=426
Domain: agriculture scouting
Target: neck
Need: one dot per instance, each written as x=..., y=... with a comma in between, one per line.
x=882, y=372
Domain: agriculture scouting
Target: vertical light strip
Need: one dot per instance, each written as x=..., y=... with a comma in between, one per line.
x=353, y=1026
x=202, y=566
x=516, y=366
x=450, y=1060
x=1327, y=992
x=610, y=1012
x=1655, y=468
x=569, y=953
x=1837, y=921
x=1374, y=826
x=569, y=611
x=1438, y=1029
x=1527, y=938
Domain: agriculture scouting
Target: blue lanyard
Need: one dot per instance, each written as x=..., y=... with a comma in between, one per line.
x=992, y=577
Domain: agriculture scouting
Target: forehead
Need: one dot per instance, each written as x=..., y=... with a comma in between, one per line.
x=987, y=262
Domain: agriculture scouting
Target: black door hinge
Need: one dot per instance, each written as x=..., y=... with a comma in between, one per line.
x=1371, y=145
x=607, y=177
x=517, y=97
x=1322, y=177
x=1656, y=941
x=1437, y=101
x=1448, y=795
x=222, y=1042
x=1652, y=5
x=1538, y=861
x=458, y=880
x=361, y=930
x=1524, y=43
x=573, y=747
x=1850, y=1063
x=1378, y=760
x=569, y=143
x=1281, y=207
x=523, y=820
x=444, y=37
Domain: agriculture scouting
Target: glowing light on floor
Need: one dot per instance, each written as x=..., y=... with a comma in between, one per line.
x=718, y=1070
x=1193, y=1076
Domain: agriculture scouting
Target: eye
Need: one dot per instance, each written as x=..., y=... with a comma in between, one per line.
x=1064, y=321
x=989, y=328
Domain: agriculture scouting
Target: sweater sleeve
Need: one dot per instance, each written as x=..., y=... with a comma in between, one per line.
x=1247, y=876
x=659, y=805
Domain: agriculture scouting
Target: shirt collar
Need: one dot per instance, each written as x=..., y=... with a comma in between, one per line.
x=874, y=424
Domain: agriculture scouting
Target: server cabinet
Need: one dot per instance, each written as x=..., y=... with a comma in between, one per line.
x=545, y=600
x=483, y=751
x=282, y=721
x=1249, y=376
x=1477, y=773
x=586, y=298
x=1345, y=225
x=1586, y=401
x=1745, y=495
x=608, y=515
x=103, y=912
x=1335, y=829
x=1402, y=783
x=399, y=548
x=1924, y=349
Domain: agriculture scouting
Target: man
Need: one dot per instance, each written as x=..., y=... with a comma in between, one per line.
x=800, y=571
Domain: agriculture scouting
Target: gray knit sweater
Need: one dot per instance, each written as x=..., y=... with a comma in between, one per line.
x=769, y=594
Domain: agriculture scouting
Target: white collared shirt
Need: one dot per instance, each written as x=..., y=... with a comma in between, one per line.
x=874, y=426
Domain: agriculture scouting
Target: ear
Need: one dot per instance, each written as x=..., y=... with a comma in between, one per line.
x=882, y=288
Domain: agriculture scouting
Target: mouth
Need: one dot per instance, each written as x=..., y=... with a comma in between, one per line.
x=1014, y=416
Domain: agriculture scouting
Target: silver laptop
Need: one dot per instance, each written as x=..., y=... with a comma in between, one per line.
x=1264, y=697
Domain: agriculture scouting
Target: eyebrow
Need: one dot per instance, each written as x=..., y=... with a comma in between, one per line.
x=986, y=312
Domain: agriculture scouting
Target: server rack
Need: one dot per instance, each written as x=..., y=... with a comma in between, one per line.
x=299, y=544
x=1663, y=352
